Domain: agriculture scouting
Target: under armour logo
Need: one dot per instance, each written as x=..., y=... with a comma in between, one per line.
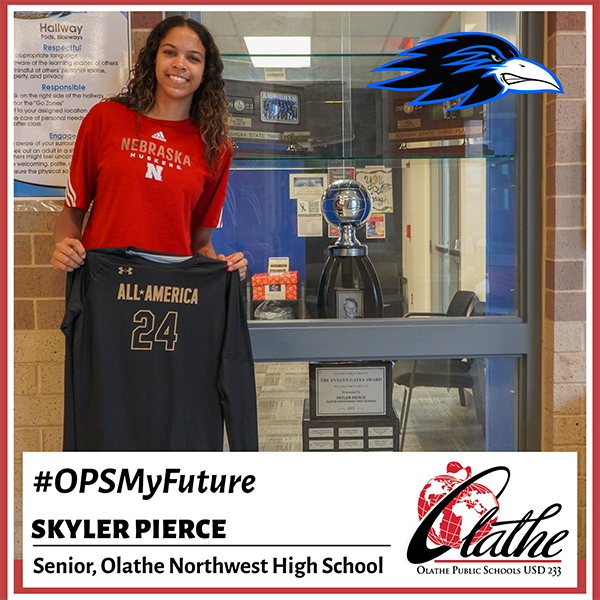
x=126, y=271
x=154, y=172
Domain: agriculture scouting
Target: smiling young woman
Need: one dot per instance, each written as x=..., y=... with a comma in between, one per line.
x=179, y=71
x=154, y=160
x=176, y=94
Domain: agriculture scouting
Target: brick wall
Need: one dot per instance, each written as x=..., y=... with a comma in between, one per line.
x=39, y=343
x=563, y=368
x=38, y=309
x=141, y=24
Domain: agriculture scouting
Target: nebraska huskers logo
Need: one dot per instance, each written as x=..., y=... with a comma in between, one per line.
x=458, y=512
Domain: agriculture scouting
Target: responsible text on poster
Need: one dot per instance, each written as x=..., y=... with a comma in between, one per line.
x=64, y=63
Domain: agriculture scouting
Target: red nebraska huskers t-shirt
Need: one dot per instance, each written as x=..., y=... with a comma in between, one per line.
x=148, y=179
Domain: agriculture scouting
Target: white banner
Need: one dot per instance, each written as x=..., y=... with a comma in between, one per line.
x=279, y=520
x=64, y=63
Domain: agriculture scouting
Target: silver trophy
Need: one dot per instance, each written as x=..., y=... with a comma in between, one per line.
x=349, y=286
x=347, y=206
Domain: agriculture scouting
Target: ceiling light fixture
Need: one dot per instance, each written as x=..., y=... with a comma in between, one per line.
x=284, y=52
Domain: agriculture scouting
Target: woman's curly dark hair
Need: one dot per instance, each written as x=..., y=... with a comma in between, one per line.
x=209, y=107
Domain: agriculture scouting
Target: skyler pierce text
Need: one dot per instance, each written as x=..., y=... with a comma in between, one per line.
x=119, y=528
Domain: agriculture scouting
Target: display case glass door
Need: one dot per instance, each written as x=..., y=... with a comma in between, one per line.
x=445, y=234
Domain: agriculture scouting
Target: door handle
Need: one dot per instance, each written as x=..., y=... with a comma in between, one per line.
x=447, y=250
x=456, y=250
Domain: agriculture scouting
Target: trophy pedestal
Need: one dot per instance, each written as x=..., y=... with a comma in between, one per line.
x=349, y=286
x=350, y=408
x=350, y=434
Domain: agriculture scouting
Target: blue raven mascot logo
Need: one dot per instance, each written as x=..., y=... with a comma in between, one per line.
x=477, y=67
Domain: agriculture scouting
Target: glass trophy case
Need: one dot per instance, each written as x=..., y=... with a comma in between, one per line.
x=450, y=210
x=442, y=181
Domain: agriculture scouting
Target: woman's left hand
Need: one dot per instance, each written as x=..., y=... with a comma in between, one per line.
x=236, y=262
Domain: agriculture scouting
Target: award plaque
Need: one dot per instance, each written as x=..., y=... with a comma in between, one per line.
x=350, y=389
x=241, y=106
x=267, y=118
x=279, y=108
x=337, y=434
x=419, y=124
x=350, y=408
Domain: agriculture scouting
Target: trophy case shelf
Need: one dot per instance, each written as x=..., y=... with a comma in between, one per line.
x=327, y=111
x=264, y=159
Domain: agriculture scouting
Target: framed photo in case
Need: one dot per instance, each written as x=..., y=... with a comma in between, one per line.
x=349, y=304
x=276, y=107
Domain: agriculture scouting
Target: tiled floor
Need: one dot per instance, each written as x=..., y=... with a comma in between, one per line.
x=437, y=422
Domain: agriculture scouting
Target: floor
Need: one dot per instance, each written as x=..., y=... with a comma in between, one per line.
x=437, y=422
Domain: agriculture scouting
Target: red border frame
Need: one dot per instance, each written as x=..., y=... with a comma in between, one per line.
x=18, y=567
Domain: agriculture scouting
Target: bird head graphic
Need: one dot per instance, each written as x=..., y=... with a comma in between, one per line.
x=475, y=67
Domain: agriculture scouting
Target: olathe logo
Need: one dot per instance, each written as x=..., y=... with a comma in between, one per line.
x=457, y=511
x=462, y=513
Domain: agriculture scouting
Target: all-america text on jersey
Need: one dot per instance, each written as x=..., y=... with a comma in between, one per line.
x=158, y=293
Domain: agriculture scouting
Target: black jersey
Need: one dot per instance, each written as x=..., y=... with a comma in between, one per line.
x=158, y=355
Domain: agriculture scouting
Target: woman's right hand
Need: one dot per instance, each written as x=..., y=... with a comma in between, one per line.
x=68, y=255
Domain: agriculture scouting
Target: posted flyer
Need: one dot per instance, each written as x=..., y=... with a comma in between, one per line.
x=62, y=67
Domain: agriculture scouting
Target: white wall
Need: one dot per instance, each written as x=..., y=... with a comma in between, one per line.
x=472, y=225
x=416, y=211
